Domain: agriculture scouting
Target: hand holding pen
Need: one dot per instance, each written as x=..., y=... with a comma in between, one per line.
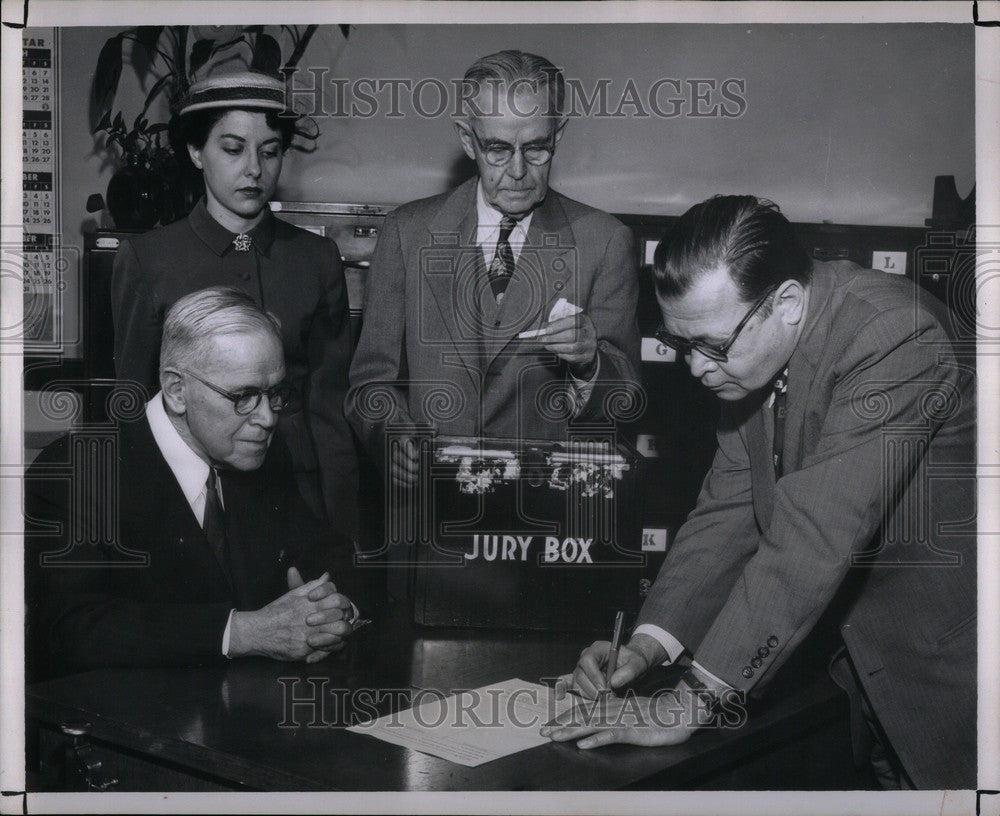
x=616, y=645
x=597, y=670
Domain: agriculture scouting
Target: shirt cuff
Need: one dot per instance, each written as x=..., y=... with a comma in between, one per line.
x=582, y=389
x=225, y=634
x=710, y=679
x=671, y=644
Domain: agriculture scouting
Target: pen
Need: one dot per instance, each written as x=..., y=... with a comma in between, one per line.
x=616, y=642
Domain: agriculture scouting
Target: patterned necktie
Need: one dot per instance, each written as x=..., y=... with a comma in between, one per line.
x=503, y=260
x=780, y=412
x=214, y=524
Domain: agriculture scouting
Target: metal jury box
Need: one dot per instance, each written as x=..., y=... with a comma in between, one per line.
x=521, y=534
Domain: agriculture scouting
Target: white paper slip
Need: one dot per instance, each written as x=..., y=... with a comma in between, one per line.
x=473, y=727
x=561, y=308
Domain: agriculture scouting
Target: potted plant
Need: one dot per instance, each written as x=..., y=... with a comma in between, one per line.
x=154, y=183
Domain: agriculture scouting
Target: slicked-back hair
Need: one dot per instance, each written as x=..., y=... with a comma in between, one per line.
x=747, y=235
x=194, y=320
x=516, y=70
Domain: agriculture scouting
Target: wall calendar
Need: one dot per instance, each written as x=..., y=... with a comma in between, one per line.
x=44, y=267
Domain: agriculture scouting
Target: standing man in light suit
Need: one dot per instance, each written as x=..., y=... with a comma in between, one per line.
x=457, y=279
x=845, y=480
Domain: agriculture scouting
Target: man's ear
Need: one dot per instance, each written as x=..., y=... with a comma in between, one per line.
x=174, y=393
x=790, y=302
x=465, y=135
x=560, y=128
x=195, y=154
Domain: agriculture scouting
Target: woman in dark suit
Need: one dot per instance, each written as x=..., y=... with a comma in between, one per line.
x=236, y=138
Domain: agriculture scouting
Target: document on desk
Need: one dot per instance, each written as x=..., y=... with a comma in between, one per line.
x=472, y=727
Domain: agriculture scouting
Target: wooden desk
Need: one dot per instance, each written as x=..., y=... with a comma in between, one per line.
x=232, y=727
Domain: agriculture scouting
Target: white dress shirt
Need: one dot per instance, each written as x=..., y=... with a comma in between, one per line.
x=488, y=229
x=674, y=648
x=190, y=470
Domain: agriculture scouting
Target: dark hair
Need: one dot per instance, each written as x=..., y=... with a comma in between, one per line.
x=747, y=235
x=509, y=68
x=193, y=128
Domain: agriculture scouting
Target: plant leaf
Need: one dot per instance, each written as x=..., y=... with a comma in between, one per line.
x=158, y=128
x=239, y=38
x=301, y=43
x=181, y=33
x=119, y=121
x=147, y=37
x=157, y=87
x=200, y=52
x=266, y=55
x=107, y=74
x=104, y=123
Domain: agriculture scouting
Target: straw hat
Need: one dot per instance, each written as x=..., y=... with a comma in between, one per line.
x=246, y=89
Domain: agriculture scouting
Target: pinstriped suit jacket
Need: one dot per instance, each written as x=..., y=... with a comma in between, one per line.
x=875, y=511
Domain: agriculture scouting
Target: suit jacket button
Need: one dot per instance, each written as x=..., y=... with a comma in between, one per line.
x=772, y=641
x=747, y=672
x=763, y=651
x=756, y=662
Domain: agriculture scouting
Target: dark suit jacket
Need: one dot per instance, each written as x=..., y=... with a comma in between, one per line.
x=436, y=349
x=302, y=282
x=118, y=570
x=875, y=512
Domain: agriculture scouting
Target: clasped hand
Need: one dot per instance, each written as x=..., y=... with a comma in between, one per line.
x=306, y=623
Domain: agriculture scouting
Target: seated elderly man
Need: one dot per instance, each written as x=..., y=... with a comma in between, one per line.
x=178, y=538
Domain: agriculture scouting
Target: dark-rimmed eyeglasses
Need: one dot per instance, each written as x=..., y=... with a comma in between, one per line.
x=246, y=400
x=500, y=153
x=719, y=353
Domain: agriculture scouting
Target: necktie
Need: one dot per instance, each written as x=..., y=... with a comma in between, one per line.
x=214, y=524
x=503, y=260
x=780, y=412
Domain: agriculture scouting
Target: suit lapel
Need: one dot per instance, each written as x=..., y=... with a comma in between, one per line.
x=450, y=269
x=761, y=468
x=168, y=502
x=546, y=269
x=804, y=363
x=802, y=369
